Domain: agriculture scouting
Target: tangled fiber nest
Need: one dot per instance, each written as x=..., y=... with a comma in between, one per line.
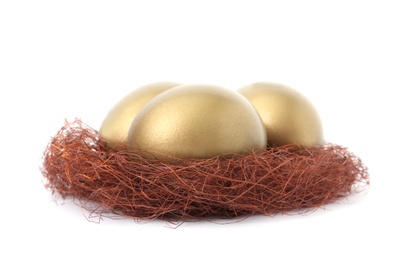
x=275, y=180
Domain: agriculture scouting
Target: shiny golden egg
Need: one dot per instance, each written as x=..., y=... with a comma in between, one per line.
x=115, y=126
x=288, y=116
x=196, y=121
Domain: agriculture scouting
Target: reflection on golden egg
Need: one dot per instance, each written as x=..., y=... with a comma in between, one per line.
x=116, y=125
x=197, y=121
x=288, y=116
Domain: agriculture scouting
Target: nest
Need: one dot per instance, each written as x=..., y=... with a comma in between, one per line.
x=78, y=164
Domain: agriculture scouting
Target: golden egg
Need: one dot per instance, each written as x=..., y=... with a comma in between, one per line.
x=197, y=121
x=288, y=116
x=116, y=125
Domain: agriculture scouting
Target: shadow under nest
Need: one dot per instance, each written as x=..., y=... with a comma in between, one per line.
x=270, y=181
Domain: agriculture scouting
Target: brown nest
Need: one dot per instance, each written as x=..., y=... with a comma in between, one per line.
x=269, y=181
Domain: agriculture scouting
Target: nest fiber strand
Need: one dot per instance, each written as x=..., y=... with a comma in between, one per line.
x=268, y=181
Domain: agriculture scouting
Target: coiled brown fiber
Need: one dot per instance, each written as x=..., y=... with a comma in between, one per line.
x=269, y=181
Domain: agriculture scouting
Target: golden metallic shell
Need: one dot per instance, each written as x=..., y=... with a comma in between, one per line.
x=116, y=125
x=197, y=121
x=288, y=116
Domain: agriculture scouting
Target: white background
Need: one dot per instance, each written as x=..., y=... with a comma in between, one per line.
x=66, y=59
